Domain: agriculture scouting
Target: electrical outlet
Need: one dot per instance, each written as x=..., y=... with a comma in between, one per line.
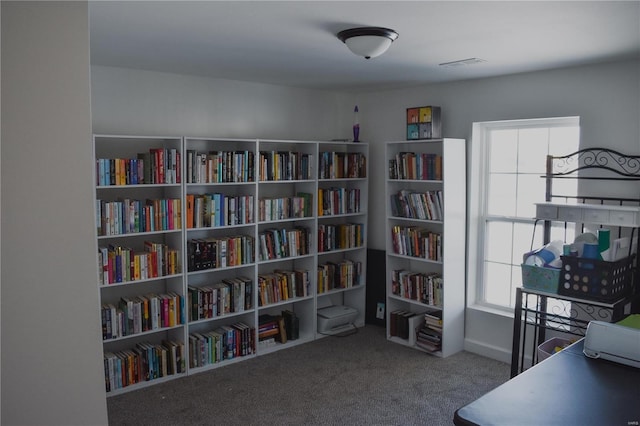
x=380, y=311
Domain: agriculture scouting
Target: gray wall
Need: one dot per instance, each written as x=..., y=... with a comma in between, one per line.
x=152, y=103
x=51, y=352
x=605, y=96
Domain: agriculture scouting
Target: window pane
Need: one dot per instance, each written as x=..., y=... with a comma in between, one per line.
x=501, y=199
x=531, y=189
x=524, y=240
x=565, y=187
x=562, y=140
x=532, y=150
x=515, y=161
x=516, y=281
x=499, y=237
x=563, y=233
x=499, y=290
x=503, y=151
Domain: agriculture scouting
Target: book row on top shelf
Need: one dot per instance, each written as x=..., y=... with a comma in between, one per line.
x=157, y=166
x=425, y=249
x=211, y=251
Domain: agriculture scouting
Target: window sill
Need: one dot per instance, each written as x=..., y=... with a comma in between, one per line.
x=492, y=309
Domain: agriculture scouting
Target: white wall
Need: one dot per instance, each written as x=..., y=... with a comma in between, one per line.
x=51, y=352
x=137, y=102
x=605, y=96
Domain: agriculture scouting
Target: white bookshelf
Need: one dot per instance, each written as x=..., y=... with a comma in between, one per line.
x=121, y=229
x=220, y=188
x=351, y=218
x=449, y=180
x=251, y=190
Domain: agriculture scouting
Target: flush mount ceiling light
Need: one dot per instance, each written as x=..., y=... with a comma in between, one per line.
x=368, y=41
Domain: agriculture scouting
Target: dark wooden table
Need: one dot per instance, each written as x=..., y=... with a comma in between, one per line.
x=566, y=389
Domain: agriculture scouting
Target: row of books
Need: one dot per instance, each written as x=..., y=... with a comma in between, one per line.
x=298, y=206
x=415, y=166
x=429, y=340
x=285, y=165
x=342, y=165
x=118, y=264
x=222, y=252
x=213, y=210
x=220, y=166
x=417, y=205
x=283, y=243
x=415, y=241
x=424, y=287
x=158, y=166
x=429, y=336
x=344, y=274
x=224, y=343
x=282, y=285
x=272, y=328
x=341, y=236
x=433, y=319
x=231, y=295
x=129, y=216
x=143, y=362
x=332, y=201
x=278, y=328
x=137, y=314
x=400, y=324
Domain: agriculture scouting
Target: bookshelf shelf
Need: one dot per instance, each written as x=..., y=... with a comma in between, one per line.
x=425, y=249
x=141, y=334
x=204, y=175
x=144, y=384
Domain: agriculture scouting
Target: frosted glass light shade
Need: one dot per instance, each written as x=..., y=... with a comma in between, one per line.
x=368, y=46
x=368, y=42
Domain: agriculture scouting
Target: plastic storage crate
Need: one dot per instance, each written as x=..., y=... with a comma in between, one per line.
x=548, y=348
x=596, y=279
x=540, y=278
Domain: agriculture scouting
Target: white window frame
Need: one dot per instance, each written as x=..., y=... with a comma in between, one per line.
x=478, y=180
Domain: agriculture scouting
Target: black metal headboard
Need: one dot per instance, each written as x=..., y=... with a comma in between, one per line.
x=623, y=167
x=597, y=164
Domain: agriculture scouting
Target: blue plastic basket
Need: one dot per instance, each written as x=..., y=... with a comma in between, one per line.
x=540, y=278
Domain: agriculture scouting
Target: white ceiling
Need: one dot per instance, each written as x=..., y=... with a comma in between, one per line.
x=294, y=43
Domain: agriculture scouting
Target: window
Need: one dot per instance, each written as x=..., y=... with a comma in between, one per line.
x=508, y=160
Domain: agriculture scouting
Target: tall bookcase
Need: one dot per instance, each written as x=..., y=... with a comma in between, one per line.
x=425, y=244
x=254, y=237
x=140, y=241
x=286, y=238
x=220, y=196
x=342, y=226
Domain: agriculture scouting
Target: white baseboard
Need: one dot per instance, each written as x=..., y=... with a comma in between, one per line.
x=489, y=351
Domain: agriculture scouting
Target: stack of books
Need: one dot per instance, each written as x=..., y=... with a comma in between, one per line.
x=429, y=337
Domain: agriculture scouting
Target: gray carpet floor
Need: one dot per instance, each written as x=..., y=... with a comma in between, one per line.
x=361, y=379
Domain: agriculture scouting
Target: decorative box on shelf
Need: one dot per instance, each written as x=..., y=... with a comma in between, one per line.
x=540, y=278
x=424, y=123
